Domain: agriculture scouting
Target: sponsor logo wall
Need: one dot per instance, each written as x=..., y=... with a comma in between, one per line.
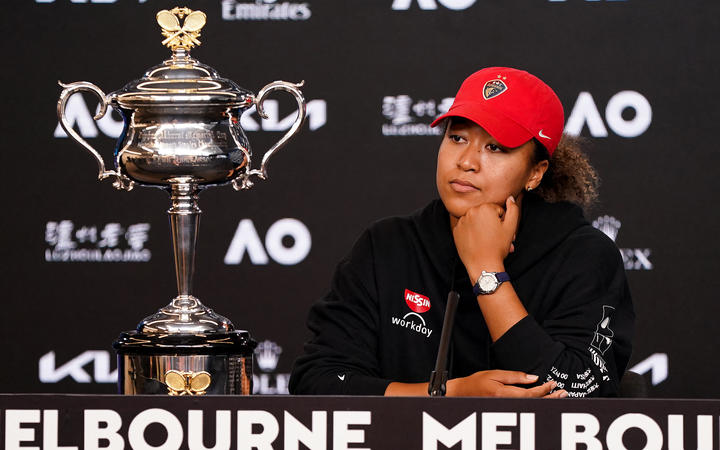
x=85, y=262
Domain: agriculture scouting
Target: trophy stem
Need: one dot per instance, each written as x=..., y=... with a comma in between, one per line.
x=185, y=314
x=184, y=224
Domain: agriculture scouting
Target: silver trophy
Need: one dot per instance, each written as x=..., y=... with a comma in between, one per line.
x=182, y=133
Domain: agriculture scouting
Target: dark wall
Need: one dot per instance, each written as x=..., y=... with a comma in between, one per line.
x=638, y=78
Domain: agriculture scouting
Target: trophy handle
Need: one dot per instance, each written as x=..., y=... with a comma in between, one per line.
x=243, y=181
x=121, y=181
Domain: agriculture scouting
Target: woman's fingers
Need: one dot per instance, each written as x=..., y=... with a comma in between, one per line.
x=539, y=391
x=562, y=393
x=512, y=214
x=513, y=377
x=542, y=390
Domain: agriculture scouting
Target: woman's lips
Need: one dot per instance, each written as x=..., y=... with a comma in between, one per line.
x=462, y=186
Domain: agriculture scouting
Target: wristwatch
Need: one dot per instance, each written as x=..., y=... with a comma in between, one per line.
x=489, y=282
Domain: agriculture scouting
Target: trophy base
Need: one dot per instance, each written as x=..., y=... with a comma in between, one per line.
x=185, y=315
x=185, y=364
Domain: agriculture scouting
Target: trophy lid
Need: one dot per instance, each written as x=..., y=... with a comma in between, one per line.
x=181, y=80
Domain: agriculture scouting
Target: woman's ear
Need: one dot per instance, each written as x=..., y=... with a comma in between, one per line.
x=536, y=174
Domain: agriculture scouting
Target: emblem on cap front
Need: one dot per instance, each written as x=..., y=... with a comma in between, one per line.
x=493, y=88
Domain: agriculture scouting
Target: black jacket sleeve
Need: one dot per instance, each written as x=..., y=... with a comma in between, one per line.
x=341, y=358
x=584, y=340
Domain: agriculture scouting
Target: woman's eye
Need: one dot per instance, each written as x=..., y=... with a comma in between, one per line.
x=456, y=138
x=495, y=148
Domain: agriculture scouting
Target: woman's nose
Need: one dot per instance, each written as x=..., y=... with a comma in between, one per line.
x=468, y=160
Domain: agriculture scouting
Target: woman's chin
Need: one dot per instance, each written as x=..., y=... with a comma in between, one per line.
x=457, y=209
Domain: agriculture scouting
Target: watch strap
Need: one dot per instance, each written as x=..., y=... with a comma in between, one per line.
x=502, y=277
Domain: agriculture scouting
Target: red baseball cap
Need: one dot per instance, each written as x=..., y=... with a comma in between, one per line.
x=512, y=105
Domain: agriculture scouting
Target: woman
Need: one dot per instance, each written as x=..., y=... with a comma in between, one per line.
x=544, y=303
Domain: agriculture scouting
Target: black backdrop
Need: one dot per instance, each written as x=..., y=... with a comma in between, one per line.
x=637, y=77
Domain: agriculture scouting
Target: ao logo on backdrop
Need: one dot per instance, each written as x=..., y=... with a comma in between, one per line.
x=111, y=125
x=456, y=5
x=246, y=240
x=585, y=112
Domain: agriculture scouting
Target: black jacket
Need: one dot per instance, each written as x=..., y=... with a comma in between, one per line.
x=569, y=276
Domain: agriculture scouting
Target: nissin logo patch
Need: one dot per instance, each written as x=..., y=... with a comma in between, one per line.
x=417, y=302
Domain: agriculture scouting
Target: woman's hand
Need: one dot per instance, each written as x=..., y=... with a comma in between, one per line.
x=486, y=383
x=498, y=383
x=484, y=236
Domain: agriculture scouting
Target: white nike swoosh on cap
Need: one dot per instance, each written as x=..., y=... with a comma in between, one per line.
x=540, y=133
x=342, y=377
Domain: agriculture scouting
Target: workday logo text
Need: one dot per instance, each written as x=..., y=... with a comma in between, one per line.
x=457, y=5
x=413, y=321
x=111, y=125
x=633, y=258
x=265, y=10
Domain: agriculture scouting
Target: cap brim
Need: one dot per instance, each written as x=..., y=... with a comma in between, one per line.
x=507, y=132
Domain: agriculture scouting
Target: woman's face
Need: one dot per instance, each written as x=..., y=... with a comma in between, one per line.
x=473, y=168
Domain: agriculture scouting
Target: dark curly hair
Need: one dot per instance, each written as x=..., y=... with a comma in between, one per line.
x=569, y=176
